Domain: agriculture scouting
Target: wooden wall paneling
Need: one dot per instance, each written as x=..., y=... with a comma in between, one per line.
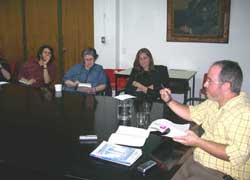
x=11, y=29
x=42, y=27
x=77, y=29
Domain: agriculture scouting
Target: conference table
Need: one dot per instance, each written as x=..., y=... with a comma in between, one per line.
x=40, y=129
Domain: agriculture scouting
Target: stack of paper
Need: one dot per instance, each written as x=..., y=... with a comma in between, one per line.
x=132, y=136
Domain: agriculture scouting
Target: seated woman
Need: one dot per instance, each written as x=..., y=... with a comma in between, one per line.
x=146, y=79
x=87, y=77
x=41, y=71
x=4, y=70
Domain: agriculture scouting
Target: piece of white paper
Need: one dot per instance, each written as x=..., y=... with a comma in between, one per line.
x=123, y=97
x=84, y=85
x=130, y=136
x=23, y=81
x=3, y=82
x=175, y=129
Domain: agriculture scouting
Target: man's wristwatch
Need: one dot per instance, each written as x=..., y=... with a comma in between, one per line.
x=169, y=100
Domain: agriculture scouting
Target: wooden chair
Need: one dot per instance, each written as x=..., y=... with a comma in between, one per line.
x=108, y=89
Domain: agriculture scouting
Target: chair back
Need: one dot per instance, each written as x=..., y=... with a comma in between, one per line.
x=108, y=89
x=121, y=84
x=14, y=69
x=163, y=71
x=197, y=100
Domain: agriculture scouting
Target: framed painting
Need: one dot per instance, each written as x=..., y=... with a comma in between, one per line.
x=198, y=20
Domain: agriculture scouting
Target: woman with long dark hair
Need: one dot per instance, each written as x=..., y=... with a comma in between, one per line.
x=146, y=78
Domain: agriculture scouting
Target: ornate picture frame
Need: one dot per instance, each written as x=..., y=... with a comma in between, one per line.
x=198, y=20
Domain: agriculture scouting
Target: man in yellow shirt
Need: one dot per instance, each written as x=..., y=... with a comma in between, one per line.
x=223, y=151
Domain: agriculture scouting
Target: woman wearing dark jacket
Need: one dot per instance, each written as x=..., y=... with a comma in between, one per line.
x=146, y=79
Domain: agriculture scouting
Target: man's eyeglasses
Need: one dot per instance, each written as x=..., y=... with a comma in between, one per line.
x=209, y=81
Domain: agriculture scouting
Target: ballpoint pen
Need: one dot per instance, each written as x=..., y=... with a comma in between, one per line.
x=170, y=98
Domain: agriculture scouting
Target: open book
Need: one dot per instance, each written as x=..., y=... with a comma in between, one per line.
x=130, y=136
x=116, y=153
x=173, y=129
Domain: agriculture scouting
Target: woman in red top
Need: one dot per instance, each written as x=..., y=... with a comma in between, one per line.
x=41, y=71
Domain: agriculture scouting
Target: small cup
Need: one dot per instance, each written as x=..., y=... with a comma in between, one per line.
x=58, y=87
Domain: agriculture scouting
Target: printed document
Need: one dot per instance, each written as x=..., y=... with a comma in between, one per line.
x=116, y=153
x=130, y=136
x=174, y=129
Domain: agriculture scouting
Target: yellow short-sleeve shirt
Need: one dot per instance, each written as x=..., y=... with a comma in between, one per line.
x=229, y=125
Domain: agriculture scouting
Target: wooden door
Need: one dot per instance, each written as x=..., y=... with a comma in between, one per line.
x=77, y=29
x=65, y=24
x=11, y=29
x=41, y=27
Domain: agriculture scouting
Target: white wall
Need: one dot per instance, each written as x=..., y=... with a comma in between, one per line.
x=133, y=24
x=106, y=24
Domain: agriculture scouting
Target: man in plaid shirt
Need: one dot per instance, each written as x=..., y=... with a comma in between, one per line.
x=223, y=151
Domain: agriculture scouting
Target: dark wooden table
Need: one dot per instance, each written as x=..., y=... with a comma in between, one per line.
x=39, y=134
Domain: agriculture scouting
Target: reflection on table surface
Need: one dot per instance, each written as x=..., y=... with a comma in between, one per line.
x=40, y=131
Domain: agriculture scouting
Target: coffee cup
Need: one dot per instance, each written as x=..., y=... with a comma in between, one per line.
x=58, y=87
